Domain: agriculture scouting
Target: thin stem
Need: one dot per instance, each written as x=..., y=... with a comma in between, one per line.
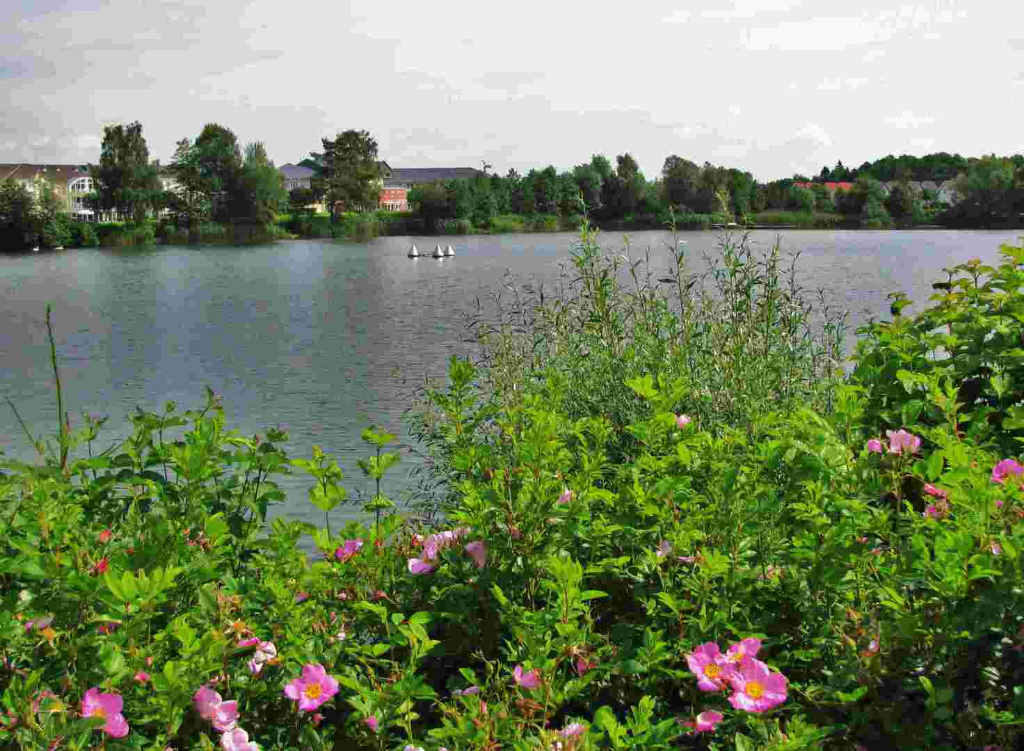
x=60, y=394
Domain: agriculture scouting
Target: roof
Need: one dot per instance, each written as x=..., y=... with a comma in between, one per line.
x=430, y=174
x=830, y=186
x=57, y=172
x=295, y=172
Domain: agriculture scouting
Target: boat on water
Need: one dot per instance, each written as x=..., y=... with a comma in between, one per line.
x=413, y=252
x=448, y=251
x=438, y=253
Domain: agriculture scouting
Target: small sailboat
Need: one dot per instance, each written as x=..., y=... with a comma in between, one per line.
x=438, y=253
x=413, y=253
x=448, y=251
x=35, y=249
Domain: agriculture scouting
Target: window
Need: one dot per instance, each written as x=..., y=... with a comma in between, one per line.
x=81, y=185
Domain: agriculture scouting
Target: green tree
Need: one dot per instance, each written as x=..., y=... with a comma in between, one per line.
x=350, y=174
x=545, y=190
x=588, y=182
x=900, y=203
x=681, y=181
x=301, y=200
x=188, y=197
x=822, y=198
x=259, y=192
x=801, y=198
x=125, y=179
x=17, y=216
x=51, y=219
x=568, y=194
x=430, y=202
x=220, y=166
x=989, y=191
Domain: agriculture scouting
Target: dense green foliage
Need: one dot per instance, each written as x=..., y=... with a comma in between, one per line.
x=347, y=172
x=637, y=468
x=215, y=182
x=125, y=180
x=36, y=219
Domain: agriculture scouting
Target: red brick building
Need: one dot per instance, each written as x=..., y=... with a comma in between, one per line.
x=394, y=196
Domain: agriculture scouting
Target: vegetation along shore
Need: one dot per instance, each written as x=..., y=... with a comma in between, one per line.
x=214, y=191
x=654, y=516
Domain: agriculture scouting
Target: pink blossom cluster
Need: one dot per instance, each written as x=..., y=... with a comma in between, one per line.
x=900, y=442
x=1004, y=469
x=348, y=550
x=435, y=543
x=526, y=678
x=755, y=688
x=108, y=708
x=940, y=508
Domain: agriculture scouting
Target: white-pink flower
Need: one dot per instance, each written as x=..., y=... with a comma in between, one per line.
x=566, y=497
x=265, y=652
x=237, y=739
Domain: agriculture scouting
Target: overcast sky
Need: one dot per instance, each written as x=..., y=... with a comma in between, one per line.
x=772, y=86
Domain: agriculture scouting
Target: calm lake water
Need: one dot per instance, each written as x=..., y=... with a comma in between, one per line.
x=327, y=337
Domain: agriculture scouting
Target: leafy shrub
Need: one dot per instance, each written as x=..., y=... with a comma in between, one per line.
x=506, y=223
x=83, y=235
x=658, y=569
x=116, y=234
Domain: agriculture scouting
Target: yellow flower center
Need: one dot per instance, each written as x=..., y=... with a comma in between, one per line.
x=98, y=712
x=755, y=690
x=312, y=691
x=712, y=671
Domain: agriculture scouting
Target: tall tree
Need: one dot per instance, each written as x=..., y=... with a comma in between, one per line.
x=188, y=196
x=350, y=176
x=220, y=164
x=259, y=193
x=17, y=215
x=125, y=179
x=680, y=179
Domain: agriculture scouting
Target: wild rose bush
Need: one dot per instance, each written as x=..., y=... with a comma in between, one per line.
x=779, y=584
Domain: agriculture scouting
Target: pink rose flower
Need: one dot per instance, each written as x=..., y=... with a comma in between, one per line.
x=566, y=497
x=237, y=739
x=104, y=536
x=682, y=421
x=141, y=676
x=313, y=688
x=755, y=687
x=250, y=642
x=478, y=552
x=349, y=549
x=704, y=722
x=934, y=491
x=709, y=665
x=900, y=441
x=875, y=446
x=371, y=722
x=420, y=566
x=664, y=548
x=265, y=652
x=743, y=649
x=107, y=707
x=225, y=716
x=1006, y=468
x=526, y=679
x=582, y=666
x=206, y=701
x=573, y=729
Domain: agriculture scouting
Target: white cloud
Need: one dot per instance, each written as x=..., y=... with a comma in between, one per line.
x=908, y=120
x=815, y=133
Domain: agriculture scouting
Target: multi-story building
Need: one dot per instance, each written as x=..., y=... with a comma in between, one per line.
x=71, y=183
x=399, y=181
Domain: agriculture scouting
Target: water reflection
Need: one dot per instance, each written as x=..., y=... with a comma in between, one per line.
x=325, y=337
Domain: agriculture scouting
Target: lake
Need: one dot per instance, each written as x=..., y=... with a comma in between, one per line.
x=327, y=337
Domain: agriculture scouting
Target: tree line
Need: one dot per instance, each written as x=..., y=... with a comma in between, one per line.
x=989, y=190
